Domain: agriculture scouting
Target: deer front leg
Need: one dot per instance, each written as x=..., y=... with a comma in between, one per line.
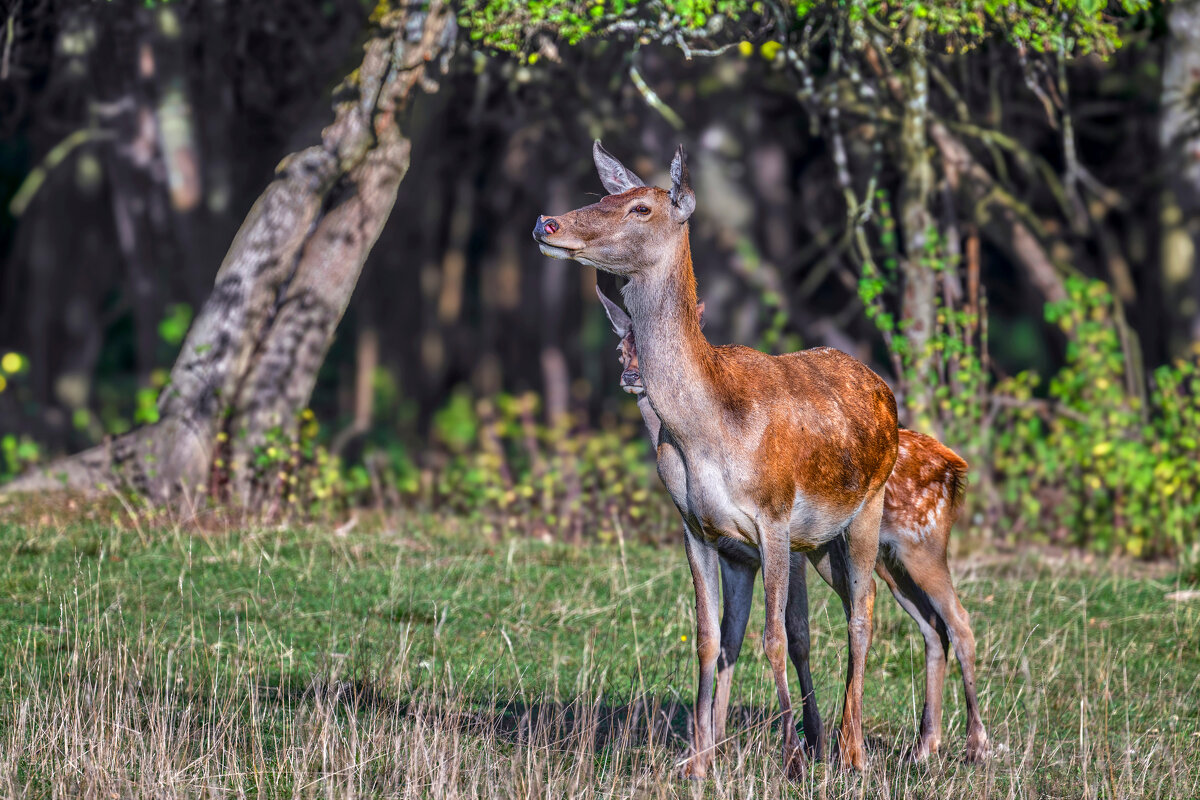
x=775, y=546
x=798, y=649
x=737, y=590
x=862, y=547
x=703, y=560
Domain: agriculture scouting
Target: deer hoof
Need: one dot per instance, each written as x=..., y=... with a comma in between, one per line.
x=695, y=769
x=977, y=747
x=924, y=749
x=852, y=755
x=793, y=762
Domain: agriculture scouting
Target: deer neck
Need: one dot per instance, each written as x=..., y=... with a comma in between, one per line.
x=673, y=356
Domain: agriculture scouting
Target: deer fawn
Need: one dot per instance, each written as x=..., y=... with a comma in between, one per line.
x=762, y=455
x=921, y=501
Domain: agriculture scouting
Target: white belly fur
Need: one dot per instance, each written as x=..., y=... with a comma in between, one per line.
x=702, y=496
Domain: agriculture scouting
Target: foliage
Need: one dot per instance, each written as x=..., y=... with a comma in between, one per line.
x=508, y=471
x=1093, y=461
x=1116, y=470
x=1074, y=27
x=490, y=461
x=17, y=452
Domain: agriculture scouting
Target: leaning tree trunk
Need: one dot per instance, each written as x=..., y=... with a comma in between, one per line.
x=250, y=360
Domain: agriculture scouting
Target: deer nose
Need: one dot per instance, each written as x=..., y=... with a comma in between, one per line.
x=545, y=226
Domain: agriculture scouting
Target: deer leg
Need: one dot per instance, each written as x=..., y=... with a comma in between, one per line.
x=956, y=619
x=798, y=649
x=775, y=546
x=704, y=563
x=861, y=549
x=737, y=589
x=913, y=599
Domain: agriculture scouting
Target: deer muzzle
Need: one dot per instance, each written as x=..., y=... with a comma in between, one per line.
x=554, y=239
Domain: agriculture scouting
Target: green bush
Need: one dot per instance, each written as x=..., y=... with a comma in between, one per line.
x=1109, y=461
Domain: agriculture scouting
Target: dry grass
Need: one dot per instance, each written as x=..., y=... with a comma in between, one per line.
x=412, y=663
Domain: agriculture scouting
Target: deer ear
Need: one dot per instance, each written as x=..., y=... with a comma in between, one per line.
x=683, y=199
x=621, y=323
x=616, y=178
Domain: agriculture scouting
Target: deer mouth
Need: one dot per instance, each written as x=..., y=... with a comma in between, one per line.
x=631, y=381
x=554, y=251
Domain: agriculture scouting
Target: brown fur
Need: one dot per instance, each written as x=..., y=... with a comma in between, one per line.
x=927, y=473
x=922, y=499
x=776, y=453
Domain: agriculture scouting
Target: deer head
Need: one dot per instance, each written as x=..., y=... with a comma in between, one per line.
x=631, y=231
x=622, y=325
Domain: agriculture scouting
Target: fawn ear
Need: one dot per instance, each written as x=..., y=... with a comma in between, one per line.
x=615, y=176
x=683, y=199
x=700, y=312
x=621, y=323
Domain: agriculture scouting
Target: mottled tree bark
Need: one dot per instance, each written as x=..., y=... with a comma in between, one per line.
x=920, y=283
x=249, y=362
x=1180, y=136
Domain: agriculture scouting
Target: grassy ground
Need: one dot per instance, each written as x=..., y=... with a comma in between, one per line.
x=422, y=661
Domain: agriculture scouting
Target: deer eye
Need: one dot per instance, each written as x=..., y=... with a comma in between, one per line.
x=641, y=209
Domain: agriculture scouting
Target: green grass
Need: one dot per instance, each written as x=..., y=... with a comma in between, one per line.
x=421, y=660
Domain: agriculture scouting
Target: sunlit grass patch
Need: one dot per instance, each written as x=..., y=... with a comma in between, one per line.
x=406, y=661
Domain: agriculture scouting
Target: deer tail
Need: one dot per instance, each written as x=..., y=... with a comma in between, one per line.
x=957, y=471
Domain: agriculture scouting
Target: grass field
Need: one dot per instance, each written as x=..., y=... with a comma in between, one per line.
x=422, y=661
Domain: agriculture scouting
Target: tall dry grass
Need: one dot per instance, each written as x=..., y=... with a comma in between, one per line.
x=124, y=705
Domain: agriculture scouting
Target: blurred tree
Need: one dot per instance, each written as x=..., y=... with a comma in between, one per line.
x=927, y=160
x=250, y=359
x=1180, y=138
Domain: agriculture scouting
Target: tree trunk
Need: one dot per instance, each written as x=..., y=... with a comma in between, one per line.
x=1180, y=136
x=920, y=281
x=249, y=362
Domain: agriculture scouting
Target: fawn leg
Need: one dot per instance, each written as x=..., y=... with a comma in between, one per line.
x=704, y=563
x=775, y=545
x=956, y=619
x=930, y=575
x=798, y=649
x=737, y=589
x=916, y=602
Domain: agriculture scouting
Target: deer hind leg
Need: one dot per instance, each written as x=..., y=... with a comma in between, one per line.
x=775, y=546
x=931, y=575
x=704, y=563
x=856, y=573
x=737, y=589
x=945, y=600
x=916, y=602
x=796, y=623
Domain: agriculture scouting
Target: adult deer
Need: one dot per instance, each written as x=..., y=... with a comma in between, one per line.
x=921, y=502
x=761, y=454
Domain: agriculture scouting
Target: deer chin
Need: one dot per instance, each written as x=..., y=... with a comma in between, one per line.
x=551, y=251
x=631, y=382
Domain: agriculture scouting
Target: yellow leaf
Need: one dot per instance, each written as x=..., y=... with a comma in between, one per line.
x=1102, y=449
